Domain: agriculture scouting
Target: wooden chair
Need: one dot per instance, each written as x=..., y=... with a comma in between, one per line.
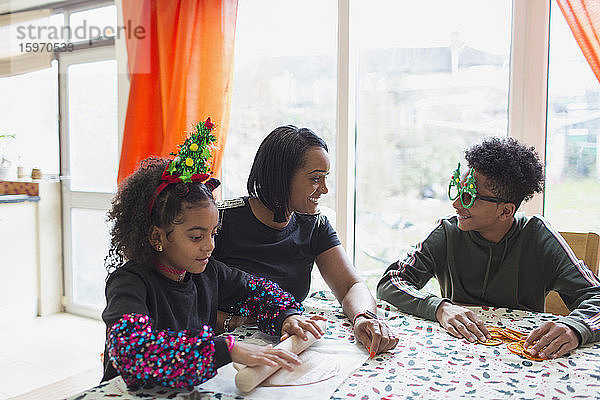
x=585, y=246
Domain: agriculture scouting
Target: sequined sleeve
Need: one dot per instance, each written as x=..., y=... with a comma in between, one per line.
x=145, y=357
x=267, y=302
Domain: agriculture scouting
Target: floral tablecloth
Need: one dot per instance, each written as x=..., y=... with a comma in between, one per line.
x=429, y=363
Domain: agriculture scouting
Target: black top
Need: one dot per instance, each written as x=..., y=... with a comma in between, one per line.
x=136, y=289
x=285, y=256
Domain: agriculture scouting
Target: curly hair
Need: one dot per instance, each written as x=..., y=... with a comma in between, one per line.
x=514, y=171
x=131, y=221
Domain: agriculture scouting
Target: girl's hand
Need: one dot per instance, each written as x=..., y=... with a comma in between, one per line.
x=235, y=321
x=251, y=355
x=299, y=325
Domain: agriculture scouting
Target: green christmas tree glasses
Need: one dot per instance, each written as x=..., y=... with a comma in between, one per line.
x=468, y=190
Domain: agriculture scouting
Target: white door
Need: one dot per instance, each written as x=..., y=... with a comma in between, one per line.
x=89, y=163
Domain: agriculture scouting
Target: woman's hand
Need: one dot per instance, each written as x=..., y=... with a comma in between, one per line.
x=354, y=296
x=299, y=325
x=375, y=335
x=251, y=355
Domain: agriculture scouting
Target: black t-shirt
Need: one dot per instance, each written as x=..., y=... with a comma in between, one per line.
x=190, y=304
x=284, y=256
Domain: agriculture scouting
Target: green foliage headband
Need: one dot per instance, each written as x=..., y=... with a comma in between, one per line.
x=191, y=163
x=194, y=153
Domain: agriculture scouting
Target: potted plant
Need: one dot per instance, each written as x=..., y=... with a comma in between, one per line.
x=4, y=161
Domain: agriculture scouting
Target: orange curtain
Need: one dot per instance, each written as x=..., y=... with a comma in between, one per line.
x=181, y=70
x=583, y=17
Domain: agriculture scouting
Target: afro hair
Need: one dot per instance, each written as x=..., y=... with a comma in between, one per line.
x=515, y=171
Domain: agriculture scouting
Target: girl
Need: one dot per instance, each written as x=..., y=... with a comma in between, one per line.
x=162, y=302
x=278, y=233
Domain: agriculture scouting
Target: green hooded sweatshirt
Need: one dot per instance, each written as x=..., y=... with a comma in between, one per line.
x=516, y=273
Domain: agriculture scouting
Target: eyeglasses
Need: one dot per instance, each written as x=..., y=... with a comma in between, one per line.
x=468, y=190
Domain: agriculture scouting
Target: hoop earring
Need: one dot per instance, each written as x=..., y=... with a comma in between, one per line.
x=159, y=247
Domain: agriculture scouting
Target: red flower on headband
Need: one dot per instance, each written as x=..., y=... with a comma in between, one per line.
x=176, y=178
x=168, y=178
x=209, y=125
x=200, y=177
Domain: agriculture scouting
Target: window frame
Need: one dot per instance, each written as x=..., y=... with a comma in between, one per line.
x=84, y=52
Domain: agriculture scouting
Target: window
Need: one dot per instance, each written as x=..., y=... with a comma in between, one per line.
x=29, y=109
x=93, y=24
x=93, y=125
x=89, y=247
x=285, y=73
x=573, y=138
x=429, y=85
x=29, y=101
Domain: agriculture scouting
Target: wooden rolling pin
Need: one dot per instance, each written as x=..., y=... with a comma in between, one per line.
x=248, y=378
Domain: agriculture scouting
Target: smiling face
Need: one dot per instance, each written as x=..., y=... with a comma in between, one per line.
x=487, y=218
x=308, y=182
x=188, y=243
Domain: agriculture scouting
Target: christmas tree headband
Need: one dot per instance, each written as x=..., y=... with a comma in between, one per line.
x=191, y=163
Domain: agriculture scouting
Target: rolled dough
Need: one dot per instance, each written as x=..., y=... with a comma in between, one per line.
x=315, y=368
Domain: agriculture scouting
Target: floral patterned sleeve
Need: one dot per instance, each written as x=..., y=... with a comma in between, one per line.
x=145, y=357
x=268, y=303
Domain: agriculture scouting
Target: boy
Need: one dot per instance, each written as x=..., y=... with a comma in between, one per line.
x=487, y=255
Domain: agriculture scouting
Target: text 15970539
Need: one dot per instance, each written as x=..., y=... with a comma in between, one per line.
x=36, y=47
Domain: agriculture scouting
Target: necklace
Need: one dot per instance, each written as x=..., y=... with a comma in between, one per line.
x=171, y=270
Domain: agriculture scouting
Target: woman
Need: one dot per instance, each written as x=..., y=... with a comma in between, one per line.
x=278, y=233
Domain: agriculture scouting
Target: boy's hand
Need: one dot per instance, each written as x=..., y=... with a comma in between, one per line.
x=553, y=340
x=461, y=322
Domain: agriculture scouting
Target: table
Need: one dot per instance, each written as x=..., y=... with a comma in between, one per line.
x=429, y=363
